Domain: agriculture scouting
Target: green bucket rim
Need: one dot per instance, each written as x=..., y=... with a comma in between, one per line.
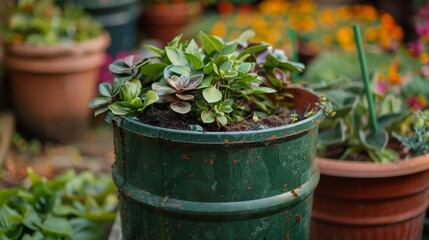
x=223, y=138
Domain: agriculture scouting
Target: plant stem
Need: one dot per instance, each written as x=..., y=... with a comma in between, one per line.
x=368, y=91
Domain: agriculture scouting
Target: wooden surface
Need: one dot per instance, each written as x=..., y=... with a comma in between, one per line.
x=7, y=126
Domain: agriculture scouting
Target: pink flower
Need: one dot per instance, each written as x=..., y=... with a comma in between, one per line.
x=381, y=87
x=423, y=29
x=416, y=103
x=416, y=48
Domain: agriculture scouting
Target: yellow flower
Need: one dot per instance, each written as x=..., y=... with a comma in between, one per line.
x=424, y=58
x=219, y=29
x=326, y=16
x=371, y=34
x=345, y=35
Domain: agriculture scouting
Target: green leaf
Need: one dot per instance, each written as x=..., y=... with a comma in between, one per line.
x=206, y=82
x=100, y=110
x=57, y=226
x=195, y=61
x=155, y=49
x=136, y=102
x=253, y=50
x=7, y=194
x=244, y=37
x=175, y=42
x=212, y=94
x=207, y=117
x=333, y=136
x=210, y=43
x=98, y=101
x=181, y=107
x=386, y=120
x=105, y=89
x=153, y=70
x=9, y=218
x=244, y=67
x=228, y=49
x=260, y=90
x=375, y=141
x=222, y=120
x=86, y=230
x=150, y=98
x=179, y=69
x=130, y=90
x=16, y=232
x=118, y=67
x=35, y=236
x=176, y=56
x=278, y=61
x=162, y=89
x=226, y=66
x=193, y=48
x=122, y=108
x=216, y=69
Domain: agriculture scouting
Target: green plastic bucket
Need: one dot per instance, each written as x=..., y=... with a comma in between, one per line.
x=215, y=185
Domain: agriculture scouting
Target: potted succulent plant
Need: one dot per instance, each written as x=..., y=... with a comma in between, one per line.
x=164, y=19
x=212, y=142
x=53, y=56
x=374, y=171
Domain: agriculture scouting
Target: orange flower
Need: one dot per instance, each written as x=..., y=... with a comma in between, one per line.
x=326, y=16
x=394, y=78
x=367, y=12
x=345, y=38
x=219, y=29
x=371, y=34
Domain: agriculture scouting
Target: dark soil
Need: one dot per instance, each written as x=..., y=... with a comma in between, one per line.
x=168, y=119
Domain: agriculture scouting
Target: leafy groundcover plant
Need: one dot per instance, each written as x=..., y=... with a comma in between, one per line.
x=211, y=88
x=41, y=22
x=70, y=206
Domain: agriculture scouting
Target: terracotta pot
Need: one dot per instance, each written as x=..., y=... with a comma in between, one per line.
x=52, y=85
x=307, y=52
x=164, y=21
x=369, y=201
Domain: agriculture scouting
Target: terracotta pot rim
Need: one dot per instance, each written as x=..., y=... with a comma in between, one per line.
x=159, y=9
x=96, y=44
x=354, y=169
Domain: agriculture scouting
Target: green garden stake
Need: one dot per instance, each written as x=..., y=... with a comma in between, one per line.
x=294, y=48
x=368, y=91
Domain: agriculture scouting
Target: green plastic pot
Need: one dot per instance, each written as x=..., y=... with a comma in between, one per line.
x=216, y=185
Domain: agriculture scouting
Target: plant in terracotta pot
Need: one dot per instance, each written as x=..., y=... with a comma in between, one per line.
x=212, y=141
x=53, y=56
x=374, y=169
x=164, y=19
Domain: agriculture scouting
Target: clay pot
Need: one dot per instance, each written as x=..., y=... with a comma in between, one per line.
x=164, y=21
x=368, y=201
x=52, y=85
